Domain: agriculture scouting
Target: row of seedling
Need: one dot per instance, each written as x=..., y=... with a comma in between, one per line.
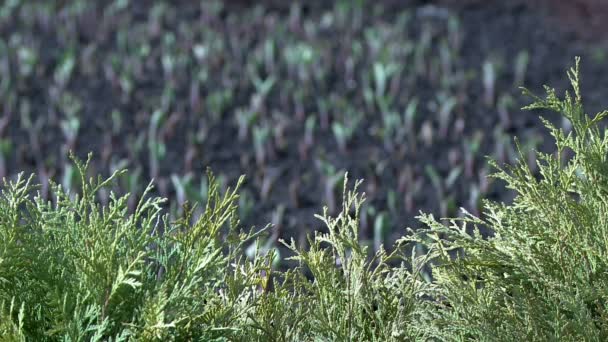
x=168, y=93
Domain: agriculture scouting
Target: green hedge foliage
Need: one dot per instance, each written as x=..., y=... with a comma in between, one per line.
x=74, y=270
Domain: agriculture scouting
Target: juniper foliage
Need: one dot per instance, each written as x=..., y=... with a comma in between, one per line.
x=543, y=273
x=347, y=296
x=74, y=270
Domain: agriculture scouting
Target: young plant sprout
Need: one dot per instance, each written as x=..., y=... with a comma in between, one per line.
x=245, y=119
x=455, y=35
x=268, y=181
x=262, y=89
x=382, y=228
x=279, y=131
x=471, y=147
x=382, y=75
x=309, y=131
x=446, y=107
x=28, y=60
x=64, y=70
x=520, y=68
x=70, y=125
x=156, y=146
x=309, y=137
x=246, y=205
x=261, y=134
x=341, y=133
x=409, y=120
x=344, y=131
x=489, y=82
x=446, y=57
x=181, y=186
x=6, y=150
x=331, y=177
x=117, y=121
x=427, y=133
x=505, y=106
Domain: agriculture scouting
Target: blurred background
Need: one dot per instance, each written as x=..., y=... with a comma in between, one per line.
x=410, y=96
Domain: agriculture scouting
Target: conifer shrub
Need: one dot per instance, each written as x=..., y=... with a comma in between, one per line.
x=339, y=293
x=76, y=271
x=72, y=269
x=542, y=274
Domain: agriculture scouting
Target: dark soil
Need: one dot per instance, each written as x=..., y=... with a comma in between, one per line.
x=498, y=30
